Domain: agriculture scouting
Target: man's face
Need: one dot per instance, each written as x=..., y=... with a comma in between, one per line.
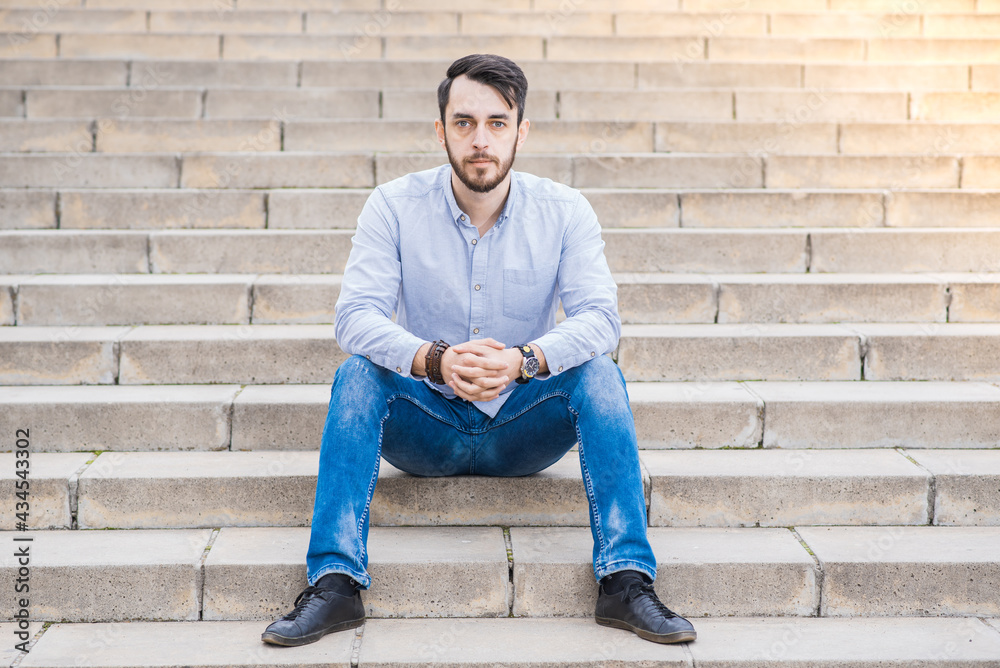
x=480, y=134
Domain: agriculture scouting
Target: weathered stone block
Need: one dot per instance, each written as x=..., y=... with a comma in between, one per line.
x=820, y=298
x=907, y=571
x=280, y=417
x=872, y=171
x=665, y=298
x=229, y=354
x=27, y=209
x=691, y=73
x=786, y=49
x=953, y=208
x=42, y=136
x=974, y=298
x=790, y=208
x=60, y=251
x=695, y=415
x=76, y=170
x=739, y=352
x=416, y=572
x=315, y=209
x=140, y=46
x=746, y=137
x=667, y=171
x=190, y=135
x=783, y=488
x=904, y=250
x=59, y=355
x=113, y=104
x=161, y=209
x=50, y=483
x=875, y=76
x=138, y=490
x=723, y=251
x=298, y=299
x=700, y=572
x=94, y=576
x=553, y=497
x=130, y=299
x=932, y=351
x=626, y=207
x=876, y=414
x=284, y=103
x=277, y=170
x=250, y=251
x=193, y=644
x=965, y=485
x=176, y=417
x=645, y=105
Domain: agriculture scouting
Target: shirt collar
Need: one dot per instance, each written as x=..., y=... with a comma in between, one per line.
x=456, y=212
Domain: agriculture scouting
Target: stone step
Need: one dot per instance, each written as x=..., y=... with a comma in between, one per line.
x=627, y=48
x=678, y=415
x=810, y=352
x=590, y=138
x=542, y=74
x=267, y=354
x=268, y=169
x=680, y=251
x=905, y=570
x=338, y=208
x=638, y=23
x=275, y=488
x=689, y=488
x=739, y=642
x=551, y=572
x=656, y=298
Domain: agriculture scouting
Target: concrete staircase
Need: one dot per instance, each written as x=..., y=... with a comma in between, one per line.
x=801, y=203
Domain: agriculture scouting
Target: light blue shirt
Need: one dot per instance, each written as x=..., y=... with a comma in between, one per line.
x=417, y=254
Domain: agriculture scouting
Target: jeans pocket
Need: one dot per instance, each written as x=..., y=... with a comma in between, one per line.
x=528, y=292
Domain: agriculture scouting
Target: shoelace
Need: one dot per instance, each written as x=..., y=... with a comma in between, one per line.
x=644, y=590
x=302, y=602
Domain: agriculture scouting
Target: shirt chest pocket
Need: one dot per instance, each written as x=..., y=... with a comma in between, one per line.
x=527, y=293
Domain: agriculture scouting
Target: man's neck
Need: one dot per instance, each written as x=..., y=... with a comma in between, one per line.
x=483, y=208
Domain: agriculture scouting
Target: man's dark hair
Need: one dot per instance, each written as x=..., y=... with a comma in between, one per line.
x=501, y=73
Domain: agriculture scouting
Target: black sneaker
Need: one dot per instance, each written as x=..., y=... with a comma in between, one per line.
x=635, y=607
x=332, y=604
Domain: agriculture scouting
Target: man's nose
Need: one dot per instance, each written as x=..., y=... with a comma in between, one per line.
x=481, y=139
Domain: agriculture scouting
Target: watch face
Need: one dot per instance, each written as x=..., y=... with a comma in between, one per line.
x=530, y=367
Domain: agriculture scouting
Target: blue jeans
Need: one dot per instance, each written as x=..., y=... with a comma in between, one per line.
x=376, y=413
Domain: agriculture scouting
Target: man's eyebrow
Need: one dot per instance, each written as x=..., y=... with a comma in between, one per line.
x=464, y=114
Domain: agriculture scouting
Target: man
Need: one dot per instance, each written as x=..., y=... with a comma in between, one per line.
x=473, y=252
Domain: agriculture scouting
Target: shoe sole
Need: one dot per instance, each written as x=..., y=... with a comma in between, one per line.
x=276, y=639
x=665, y=638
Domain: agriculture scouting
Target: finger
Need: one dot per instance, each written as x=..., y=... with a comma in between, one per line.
x=469, y=372
x=481, y=362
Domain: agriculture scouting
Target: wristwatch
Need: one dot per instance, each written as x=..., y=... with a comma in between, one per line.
x=529, y=365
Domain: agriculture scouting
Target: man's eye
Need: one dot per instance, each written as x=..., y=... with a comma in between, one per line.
x=498, y=124
x=462, y=124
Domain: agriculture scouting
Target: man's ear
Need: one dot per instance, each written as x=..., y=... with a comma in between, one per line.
x=522, y=132
x=439, y=130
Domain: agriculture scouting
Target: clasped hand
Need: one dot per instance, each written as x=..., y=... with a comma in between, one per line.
x=479, y=370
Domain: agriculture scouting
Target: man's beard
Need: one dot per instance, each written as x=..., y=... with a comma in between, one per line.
x=480, y=184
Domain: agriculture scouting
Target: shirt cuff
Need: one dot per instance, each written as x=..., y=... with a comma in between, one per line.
x=400, y=358
x=557, y=357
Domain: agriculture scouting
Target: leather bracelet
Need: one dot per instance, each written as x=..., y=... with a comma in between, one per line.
x=432, y=361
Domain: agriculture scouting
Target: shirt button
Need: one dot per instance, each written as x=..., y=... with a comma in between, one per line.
x=475, y=331
x=462, y=217
x=368, y=357
x=592, y=353
x=475, y=241
x=560, y=368
x=399, y=370
x=477, y=287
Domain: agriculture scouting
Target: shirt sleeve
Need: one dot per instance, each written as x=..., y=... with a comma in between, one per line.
x=589, y=296
x=369, y=292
